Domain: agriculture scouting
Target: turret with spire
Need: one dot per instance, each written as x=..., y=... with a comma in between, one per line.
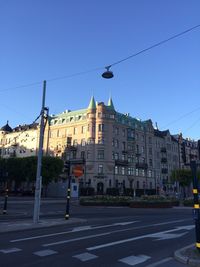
x=92, y=104
x=110, y=104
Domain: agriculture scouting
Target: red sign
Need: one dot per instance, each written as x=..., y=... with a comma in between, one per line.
x=78, y=170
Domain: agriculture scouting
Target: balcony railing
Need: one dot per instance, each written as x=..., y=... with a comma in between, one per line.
x=164, y=170
x=121, y=162
x=141, y=165
x=163, y=150
x=163, y=160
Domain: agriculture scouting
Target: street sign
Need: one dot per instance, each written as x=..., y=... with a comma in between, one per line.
x=78, y=170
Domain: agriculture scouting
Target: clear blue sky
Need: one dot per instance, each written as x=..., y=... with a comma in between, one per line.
x=46, y=39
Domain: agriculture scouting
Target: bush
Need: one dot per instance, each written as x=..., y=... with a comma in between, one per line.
x=105, y=201
x=189, y=202
x=89, y=191
x=112, y=191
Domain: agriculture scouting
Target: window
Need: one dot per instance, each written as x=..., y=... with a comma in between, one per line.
x=123, y=170
x=123, y=132
x=101, y=127
x=75, y=130
x=82, y=154
x=123, y=145
x=83, y=142
x=116, y=143
x=136, y=172
x=116, y=156
x=88, y=154
x=143, y=172
x=150, y=162
x=131, y=158
x=100, y=154
x=150, y=173
x=130, y=171
x=83, y=129
x=116, y=170
x=100, y=169
x=75, y=142
x=101, y=140
x=116, y=131
x=123, y=157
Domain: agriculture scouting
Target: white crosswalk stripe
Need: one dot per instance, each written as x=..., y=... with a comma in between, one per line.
x=85, y=256
x=44, y=253
x=133, y=260
x=10, y=250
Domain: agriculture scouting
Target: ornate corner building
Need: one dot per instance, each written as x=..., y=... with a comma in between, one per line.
x=115, y=150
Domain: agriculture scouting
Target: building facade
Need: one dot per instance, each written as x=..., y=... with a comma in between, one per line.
x=113, y=149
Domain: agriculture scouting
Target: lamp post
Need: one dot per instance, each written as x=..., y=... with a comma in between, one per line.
x=38, y=183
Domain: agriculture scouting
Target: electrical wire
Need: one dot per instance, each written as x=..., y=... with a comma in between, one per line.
x=155, y=45
x=181, y=117
x=100, y=68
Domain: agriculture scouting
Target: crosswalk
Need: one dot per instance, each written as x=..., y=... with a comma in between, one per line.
x=95, y=245
x=130, y=260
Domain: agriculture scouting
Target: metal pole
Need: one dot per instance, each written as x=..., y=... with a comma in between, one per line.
x=5, y=202
x=39, y=162
x=193, y=166
x=68, y=194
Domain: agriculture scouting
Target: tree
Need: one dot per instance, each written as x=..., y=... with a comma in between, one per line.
x=51, y=169
x=183, y=177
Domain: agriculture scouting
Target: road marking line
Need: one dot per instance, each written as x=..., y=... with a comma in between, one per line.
x=74, y=239
x=93, y=228
x=160, y=262
x=44, y=253
x=133, y=260
x=81, y=228
x=76, y=229
x=10, y=250
x=137, y=238
x=85, y=256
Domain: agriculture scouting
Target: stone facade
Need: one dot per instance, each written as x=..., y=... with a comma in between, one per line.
x=114, y=149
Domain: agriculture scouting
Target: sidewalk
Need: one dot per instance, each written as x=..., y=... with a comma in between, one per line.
x=188, y=255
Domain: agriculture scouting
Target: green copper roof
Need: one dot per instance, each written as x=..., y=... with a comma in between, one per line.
x=110, y=103
x=92, y=104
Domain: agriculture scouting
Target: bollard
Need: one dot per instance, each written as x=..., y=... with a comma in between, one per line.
x=68, y=199
x=196, y=203
x=5, y=202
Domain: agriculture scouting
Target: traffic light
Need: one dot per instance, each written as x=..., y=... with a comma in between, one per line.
x=67, y=167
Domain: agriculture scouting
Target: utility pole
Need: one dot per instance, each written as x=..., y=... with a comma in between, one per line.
x=38, y=183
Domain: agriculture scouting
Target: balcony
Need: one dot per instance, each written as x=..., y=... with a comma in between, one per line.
x=70, y=148
x=141, y=165
x=121, y=162
x=163, y=160
x=163, y=150
x=164, y=170
x=130, y=138
x=77, y=161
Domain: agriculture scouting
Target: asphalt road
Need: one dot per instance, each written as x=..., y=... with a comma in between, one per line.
x=120, y=237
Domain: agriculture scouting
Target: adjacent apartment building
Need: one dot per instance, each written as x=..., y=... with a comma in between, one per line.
x=113, y=149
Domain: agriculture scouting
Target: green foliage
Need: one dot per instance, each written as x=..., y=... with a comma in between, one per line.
x=184, y=177
x=24, y=169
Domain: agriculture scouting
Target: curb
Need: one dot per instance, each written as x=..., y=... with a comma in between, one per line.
x=178, y=255
x=27, y=225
